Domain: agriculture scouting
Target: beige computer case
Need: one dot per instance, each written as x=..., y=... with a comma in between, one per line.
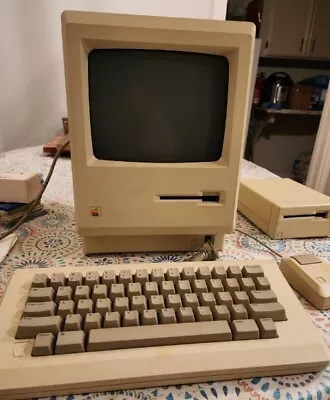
x=118, y=206
x=283, y=208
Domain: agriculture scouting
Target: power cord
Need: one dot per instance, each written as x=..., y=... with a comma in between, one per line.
x=214, y=251
x=205, y=255
x=24, y=217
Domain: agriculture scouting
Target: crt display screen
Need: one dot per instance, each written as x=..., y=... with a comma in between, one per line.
x=157, y=106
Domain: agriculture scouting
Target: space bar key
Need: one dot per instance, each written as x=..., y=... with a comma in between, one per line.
x=158, y=335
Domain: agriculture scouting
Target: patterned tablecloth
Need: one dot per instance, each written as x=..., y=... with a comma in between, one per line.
x=51, y=240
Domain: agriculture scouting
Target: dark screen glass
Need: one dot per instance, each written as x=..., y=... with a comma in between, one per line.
x=157, y=106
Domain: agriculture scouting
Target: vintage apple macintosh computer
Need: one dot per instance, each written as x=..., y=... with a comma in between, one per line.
x=158, y=113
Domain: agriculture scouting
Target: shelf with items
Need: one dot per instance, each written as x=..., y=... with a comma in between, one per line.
x=263, y=117
x=287, y=111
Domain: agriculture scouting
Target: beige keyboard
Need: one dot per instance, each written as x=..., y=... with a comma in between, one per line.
x=73, y=330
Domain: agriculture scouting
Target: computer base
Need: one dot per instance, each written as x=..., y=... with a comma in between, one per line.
x=127, y=244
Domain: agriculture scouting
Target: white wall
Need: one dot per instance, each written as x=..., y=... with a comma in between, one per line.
x=32, y=92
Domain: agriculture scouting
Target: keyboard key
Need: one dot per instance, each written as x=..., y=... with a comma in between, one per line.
x=199, y=286
x=167, y=316
x=43, y=309
x=166, y=288
x=57, y=280
x=134, y=289
x=125, y=276
x=139, y=303
x=38, y=294
x=173, y=274
x=112, y=320
x=220, y=313
x=39, y=281
x=156, y=302
x=150, y=289
x=215, y=285
x=141, y=276
x=92, y=279
x=149, y=317
x=262, y=296
x=103, y=306
x=29, y=327
x=157, y=275
x=99, y=292
x=241, y=297
x=267, y=328
x=207, y=299
x=190, y=300
x=204, y=273
x=245, y=329
x=203, y=313
x=173, y=301
x=81, y=292
x=219, y=273
x=188, y=273
x=262, y=283
x=63, y=293
x=121, y=304
x=75, y=279
x=65, y=308
x=92, y=321
x=183, y=287
x=250, y=271
x=131, y=318
x=84, y=307
x=238, y=311
x=117, y=290
x=234, y=271
x=109, y=278
x=43, y=345
x=275, y=311
x=224, y=298
x=231, y=285
x=247, y=284
x=146, y=336
x=70, y=342
x=185, y=314
x=73, y=322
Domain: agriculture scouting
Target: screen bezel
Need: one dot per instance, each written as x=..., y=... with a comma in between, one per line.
x=84, y=32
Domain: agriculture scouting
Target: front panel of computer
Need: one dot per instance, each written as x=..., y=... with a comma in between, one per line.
x=157, y=111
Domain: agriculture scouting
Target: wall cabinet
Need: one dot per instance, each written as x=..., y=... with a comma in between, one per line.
x=296, y=28
x=319, y=38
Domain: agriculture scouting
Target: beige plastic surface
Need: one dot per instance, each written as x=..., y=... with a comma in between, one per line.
x=298, y=349
x=125, y=195
x=310, y=280
x=19, y=187
x=266, y=202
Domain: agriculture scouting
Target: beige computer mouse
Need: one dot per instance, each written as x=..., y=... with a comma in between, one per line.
x=310, y=276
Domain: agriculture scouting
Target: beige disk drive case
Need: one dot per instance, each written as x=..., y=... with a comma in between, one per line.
x=283, y=208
